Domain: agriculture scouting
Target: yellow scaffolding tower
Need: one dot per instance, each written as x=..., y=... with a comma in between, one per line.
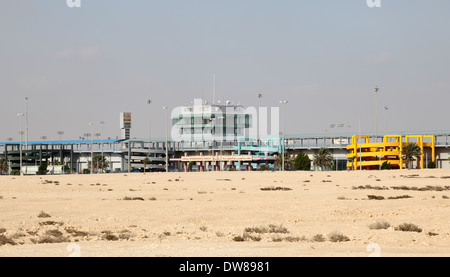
x=366, y=155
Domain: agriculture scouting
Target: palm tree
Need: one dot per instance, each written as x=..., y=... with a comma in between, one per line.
x=99, y=162
x=3, y=165
x=323, y=158
x=145, y=161
x=410, y=151
x=287, y=161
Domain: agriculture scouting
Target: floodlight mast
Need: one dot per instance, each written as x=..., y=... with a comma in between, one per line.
x=284, y=102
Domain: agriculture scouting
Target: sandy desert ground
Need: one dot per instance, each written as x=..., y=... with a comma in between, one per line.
x=227, y=214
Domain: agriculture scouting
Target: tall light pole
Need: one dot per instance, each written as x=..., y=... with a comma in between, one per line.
x=385, y=117
x=92, y=154
x=149, y=102
x=60, y=133
x=257, y=125
x=20, y=146
x=26, y=122
x=282, y=146
x=101, y=135
x=376, y=89
x=221, y=140
x=167, y=152
x=360, y=150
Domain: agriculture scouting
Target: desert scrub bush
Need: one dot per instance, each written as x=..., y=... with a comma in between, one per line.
x=2, y=230
x=379, y=225
x=408, y=227
x=76, y=233
x=246, y=237
x=50, y=222
x=54, y=233
x=278, y=229
x=51, y=236
x=133, y=198
x=400, y=197
x=427, y=188
x=275, y=188
x=294, y=239
x=259, y=230
x=108, y=235
x=238, y=238
x=50, y=239
x=5, y=240
x=318, y=238
x=375, y=197
x=251, y=237
x=43, y=214
x=370, y=187
x=203, y=228
x=337, y=237
x=272, y=228
x=277, y=239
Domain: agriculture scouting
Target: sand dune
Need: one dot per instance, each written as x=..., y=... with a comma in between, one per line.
x=223, y=214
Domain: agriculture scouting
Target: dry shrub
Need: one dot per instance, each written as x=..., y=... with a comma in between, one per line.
x=318, y=238
x=379, y=225
x=43, y=215
x=408, y=227
x=375, y=197
x=76, y=233
x=133, y=198
x=337, y=237
x=54, y=233
x=275, y=188
x=50, y=239
x=50, y=222
x=400, y=197
x=272, y=228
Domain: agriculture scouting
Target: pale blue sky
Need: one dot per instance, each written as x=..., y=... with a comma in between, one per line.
x=81, y=65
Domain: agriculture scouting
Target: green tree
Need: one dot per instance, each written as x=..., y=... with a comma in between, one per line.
x=145, y=161
x=385, y=165
x=410, y=151
x=302, y=162
x=66, y=169
x=287, y=161
x=42, y=169
x=3, y=166
x=323, y=158
x=99, y=162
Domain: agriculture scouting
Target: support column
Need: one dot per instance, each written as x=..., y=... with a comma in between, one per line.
x=201, y=162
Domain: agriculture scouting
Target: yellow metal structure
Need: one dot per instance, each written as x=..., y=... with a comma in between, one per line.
x=366, y=155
